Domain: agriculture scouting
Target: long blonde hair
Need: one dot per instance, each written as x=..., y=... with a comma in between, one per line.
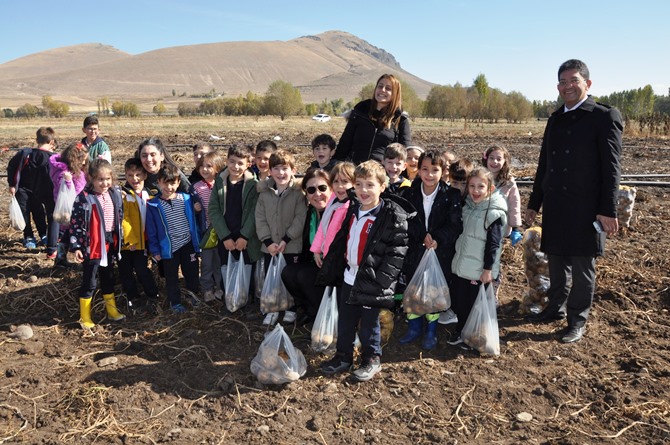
x=388, y=112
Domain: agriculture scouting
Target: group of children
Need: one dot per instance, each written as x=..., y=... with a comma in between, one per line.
x=374, y=231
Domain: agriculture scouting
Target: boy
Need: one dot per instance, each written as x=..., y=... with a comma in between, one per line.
x=458, y=174
x=29, y=180
x=368, y=253
x=261, y=167
x=172, y=234
x=280, y=217
x=232, y=207
x=395, y=156
x=133, y=249
x=437, y=225
x=449, y=158
x=96, y=145
x=323, y=147
x=199, y=150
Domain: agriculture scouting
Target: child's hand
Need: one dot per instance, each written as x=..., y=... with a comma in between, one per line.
x=318, y=260
x=229, y=244
x=78, y=256
x=198, y=208
x=429, y=242
x=486, y=276
x=240, y=244
x=273, y=249
x=67, y=176
x=282, y=246
x=157, y=257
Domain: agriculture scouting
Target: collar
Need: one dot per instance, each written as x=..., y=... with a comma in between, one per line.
x=577, y=105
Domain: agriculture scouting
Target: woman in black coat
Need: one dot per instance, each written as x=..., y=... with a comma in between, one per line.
x=375, y=123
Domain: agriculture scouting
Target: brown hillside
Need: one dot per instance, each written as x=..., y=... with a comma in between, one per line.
x=329, y=65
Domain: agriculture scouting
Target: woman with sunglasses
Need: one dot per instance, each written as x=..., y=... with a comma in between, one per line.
x=299, y=277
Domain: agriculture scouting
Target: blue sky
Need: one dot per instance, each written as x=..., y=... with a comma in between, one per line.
x=517, y=45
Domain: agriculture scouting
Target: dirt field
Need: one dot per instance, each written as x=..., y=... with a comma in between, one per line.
x=186, y=379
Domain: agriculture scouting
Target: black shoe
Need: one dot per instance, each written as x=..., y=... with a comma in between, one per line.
x=546, y=316
x=336, y=365
x=573, y=335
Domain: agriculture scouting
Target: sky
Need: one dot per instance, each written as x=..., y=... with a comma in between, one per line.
x=517, y=45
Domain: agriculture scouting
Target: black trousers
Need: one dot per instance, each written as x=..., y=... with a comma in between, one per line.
x=577, y=297
x=91, y=270
x=42, y=209
x=299, y=280
x=362, y=319
x=133, y=263
x=186, y=258
x=463, y=295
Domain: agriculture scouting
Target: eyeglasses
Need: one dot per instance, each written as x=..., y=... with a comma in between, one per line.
x=311, y=190
x=569, y=83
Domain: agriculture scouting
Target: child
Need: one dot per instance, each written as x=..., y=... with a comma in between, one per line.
x=437, y=224
x=323, y=147
x=367, y=253
x=477, y=259
x=395, y=157
x=232, y=208
x=449, y=158
x=173, y=236
x=208, y=166
x=199, y=150
x=261, y=167
x=96, y=145
x=133, y=260
x=458, y=175
x=413, y=153
x=95, y=238
x=29, y=181
x=280, y=217
x=69, y=166
x=497, y=160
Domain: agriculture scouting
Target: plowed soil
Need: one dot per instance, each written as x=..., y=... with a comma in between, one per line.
x=186, y=380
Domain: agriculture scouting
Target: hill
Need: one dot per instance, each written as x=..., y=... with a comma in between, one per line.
x=330, y=65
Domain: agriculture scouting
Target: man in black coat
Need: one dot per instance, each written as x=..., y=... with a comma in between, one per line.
x=576, y=184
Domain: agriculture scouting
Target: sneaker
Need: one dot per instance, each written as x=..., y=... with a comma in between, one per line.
x=289, y=317
x=271, y=319
x=208, y=296
x=458, y=341
x=52, y=255
x=448, y=317
x=336, y=365
x=218, y=294
x=368, y=369
x=29, y=243
x=178, y=308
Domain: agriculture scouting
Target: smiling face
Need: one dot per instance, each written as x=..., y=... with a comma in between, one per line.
x=92, y=132
x=281, y=174
x=394, y=167
x=262, y=160
x=135, y=178
x=368, y=190
x=430, y=176
x=318, y=193
x=198, y=153
x=383, y=93
x=413, y=161
x=495, y=161
x=323, y=154
x=208, y=171
x=151, y=158
x=572, y=87
x=168, y=188
x=236, y=167
x=340, y=186
x=479, y=189
x=102, y=181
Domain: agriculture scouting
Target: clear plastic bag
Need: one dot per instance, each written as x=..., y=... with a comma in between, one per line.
x=15, y=215
x=324, y=330
x=64, y=203
x=259, y=277
x=427, y=292
x=275, y=297
x=481, y=328
x=236, y=280
x=277, y=360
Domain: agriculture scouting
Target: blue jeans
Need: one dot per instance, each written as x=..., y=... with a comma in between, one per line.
x=348, y=321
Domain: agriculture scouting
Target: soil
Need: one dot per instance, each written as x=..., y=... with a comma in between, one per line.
x=185, y=378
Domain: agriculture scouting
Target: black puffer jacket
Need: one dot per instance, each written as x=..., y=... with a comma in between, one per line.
x=382, y=257
x=364, y=139
x=445, y=224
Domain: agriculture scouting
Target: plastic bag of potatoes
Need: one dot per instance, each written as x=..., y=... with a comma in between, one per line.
x=277, y=360
x=427, y=292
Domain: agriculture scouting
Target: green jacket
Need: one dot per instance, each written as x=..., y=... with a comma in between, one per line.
x=217, y=209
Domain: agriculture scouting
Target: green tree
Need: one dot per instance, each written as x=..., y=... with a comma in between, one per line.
x=410, y=100
x=8, y=112
x=55, y=108
x=28, y=111
x=159, y=109
x=517, y=107
x=128, y=109
x=366, y=92
x=187, y=109
x=282, y=99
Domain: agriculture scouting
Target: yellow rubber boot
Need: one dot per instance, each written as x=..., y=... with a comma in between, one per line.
x=110, y=305
x=85, y=313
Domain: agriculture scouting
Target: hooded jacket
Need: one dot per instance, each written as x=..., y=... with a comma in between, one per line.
x=364, y=139
x=56, y=170
x=280, y=217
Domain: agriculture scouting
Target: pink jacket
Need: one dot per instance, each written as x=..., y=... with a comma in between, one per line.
x=510, y=192
x=56, y=170
x=329, y=227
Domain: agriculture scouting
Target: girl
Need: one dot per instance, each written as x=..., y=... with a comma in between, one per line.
x=375, y=123
x=412, y=167
x=208, y=166
x=69, y=166
x=497, y=160
x=477, y=259
x=95, y=238
x=436, y=225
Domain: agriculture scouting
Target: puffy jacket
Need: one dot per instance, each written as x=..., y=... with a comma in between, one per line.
x=134, y=220
x=382, y=257
x=157, y=229
x=280, y=217
x=445, y=224
x=217, y=210
x=477, y=218
x=364, y=139
x=56, y=170
x=510, y=192
x=87, y=231
x=29, y=169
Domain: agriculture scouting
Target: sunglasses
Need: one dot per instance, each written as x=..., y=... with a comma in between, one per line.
x=311, y=190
